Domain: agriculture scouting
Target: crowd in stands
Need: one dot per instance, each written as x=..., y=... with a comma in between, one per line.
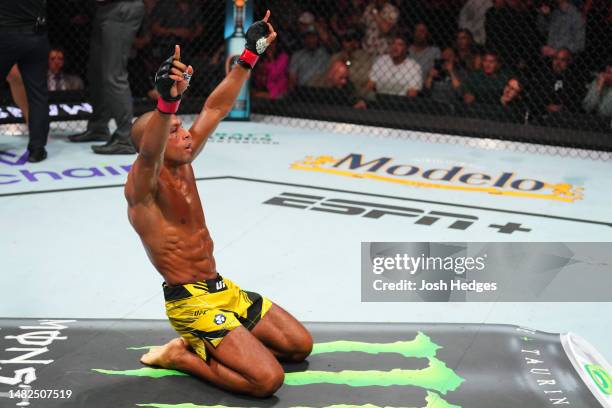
x=531, y=57
x=543, y=58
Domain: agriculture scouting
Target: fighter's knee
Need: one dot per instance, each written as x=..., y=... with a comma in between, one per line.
x=268, y=383
x=301, y=348
x=304, y=348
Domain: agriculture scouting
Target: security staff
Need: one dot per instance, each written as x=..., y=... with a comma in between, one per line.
x=113, y=32
x=23, y=41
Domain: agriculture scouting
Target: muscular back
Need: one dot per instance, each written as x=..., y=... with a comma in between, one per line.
x=172, y=227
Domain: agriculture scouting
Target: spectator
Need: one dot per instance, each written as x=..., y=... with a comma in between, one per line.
x=305, y=21
x=511, y=96
x=175, y=22
x=309, y=62
x=421, y=51
x=496, y=26
x=337, y=78
x=358, y=61
x=326, y=37
x=510, y=105
x=114, y=28
x=18, y=91
x=69, y=23
x=486, y=85
x=287, y=23
x=380, y=18
x=598, y=33
x=599, y=95
x=564, y=28
x=445, y=78
x=439, y=14
x=24, y=42
x=472, y=18
x=346, y=16
x=557, y=88
x=396, y=73
x=57, y=80
x=468, y=55
x=511, y=33
x=270, y=78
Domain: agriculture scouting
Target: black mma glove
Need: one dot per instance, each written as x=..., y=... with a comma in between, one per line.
x=163, y=82
x=256, y=44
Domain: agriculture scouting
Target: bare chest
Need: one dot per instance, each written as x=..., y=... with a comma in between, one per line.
x=179, y=202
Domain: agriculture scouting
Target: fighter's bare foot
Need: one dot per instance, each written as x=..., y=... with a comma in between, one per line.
x=166, y=356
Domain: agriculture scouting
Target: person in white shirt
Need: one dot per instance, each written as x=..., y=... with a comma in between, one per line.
x=396, y=73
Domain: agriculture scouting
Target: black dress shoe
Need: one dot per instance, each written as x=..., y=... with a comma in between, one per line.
x=89, y=136
x=115, y=146
x=37, y=155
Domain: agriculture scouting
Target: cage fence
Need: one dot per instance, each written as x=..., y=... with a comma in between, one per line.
x=528, y=71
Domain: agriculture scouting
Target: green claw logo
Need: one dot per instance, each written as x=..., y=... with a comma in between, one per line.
x=436, y=378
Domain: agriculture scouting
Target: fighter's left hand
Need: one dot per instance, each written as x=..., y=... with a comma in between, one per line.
x=258, y=37
x=180, y=72
x=172, y=77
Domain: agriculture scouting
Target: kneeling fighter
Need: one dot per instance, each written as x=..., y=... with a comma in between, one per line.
x=228, y=336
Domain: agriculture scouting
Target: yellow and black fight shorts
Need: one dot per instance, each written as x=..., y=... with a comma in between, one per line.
x=208, y=310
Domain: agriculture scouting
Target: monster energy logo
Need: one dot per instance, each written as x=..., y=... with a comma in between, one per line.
x=437, y=379
x=602, y=379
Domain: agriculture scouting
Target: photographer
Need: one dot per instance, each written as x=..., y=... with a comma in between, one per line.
x=444, y=80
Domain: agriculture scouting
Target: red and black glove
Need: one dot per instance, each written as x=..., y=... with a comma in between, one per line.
x=166, y=103
x=256, y=44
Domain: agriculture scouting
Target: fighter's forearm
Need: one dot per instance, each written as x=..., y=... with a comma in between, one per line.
x=223, y=97
x=155, y=137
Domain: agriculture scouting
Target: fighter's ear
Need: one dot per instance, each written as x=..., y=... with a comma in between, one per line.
x=138, y=129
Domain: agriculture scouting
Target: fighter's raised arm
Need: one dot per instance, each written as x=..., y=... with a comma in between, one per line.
x=218, y=105
x=150, y=132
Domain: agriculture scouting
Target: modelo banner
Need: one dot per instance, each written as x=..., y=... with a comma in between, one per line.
x=238, y=17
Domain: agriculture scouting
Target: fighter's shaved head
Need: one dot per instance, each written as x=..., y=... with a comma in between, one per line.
x=138, y=128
